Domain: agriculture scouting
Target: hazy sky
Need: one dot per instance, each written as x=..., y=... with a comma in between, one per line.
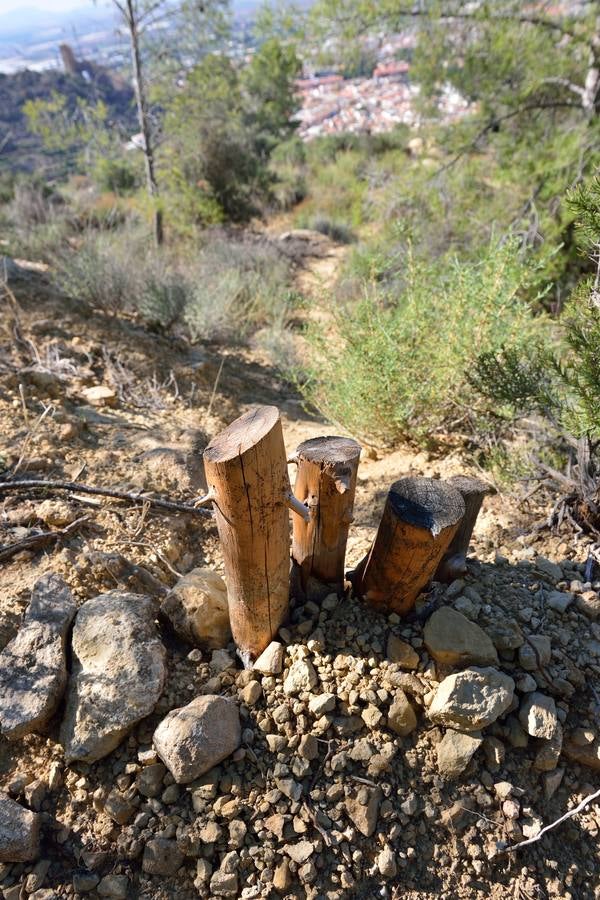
x=46, y=5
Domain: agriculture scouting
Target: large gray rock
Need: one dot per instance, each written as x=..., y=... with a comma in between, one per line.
x=19, y=832
x=33, y=671
x=194, y=738
x=472, y=699
x=117, y=676
x=197, y=608
x=454, y=641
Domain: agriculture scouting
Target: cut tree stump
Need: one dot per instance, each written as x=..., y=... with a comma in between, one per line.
x=454, y=562
x=247, y=476
x=419, y=520
x=326, y=484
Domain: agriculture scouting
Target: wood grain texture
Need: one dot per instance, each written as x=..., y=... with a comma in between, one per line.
x=419, y=520
x=326, y=484
x=454, y=561
x=246, y=469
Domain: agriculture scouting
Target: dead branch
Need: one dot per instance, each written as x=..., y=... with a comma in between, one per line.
x=568, y=815
x=131, y=496
x=38, y=541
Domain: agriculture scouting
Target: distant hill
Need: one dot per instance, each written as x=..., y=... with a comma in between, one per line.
x=21, y=150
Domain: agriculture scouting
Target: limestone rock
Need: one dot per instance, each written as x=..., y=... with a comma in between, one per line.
x=585, y=755
x=537, y=715
x=454, y=752
x=33, y=671
x=559, y=601
x=401, y=716
x=454, y=640
x=505, y=635
x=363, y=809
x=588, y=603
x=402, y=653
x=300, y=851
x=161, y=857
x=194, y=738
x=300, y=677
x=386, y=863
x=197, y=608
x=19, y=832
x=472, y=699
x=100, y=395
x=546, y=759
x=117, y=675
x=270, y=661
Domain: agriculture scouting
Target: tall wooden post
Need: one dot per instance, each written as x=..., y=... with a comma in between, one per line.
x=454, y=562
x=326, y=484
x=419, y=520
x=247, y=476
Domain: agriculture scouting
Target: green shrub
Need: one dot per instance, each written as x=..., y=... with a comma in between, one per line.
x=396, y=364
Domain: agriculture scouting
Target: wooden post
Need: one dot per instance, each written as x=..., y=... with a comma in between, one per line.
x=420, y=519
x=247, y=476
x=326, y=484
x=454, y=562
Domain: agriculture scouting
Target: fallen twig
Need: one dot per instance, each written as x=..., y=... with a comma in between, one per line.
x=132, y=497
x=38, y=541
x=572, y=812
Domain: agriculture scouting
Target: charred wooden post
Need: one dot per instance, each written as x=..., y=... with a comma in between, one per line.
x=247, y=476
x=454, y=562
x=420, y=519
x=326, y=484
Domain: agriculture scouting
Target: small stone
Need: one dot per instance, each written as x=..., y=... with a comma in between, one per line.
x=511, y=809
x=472, y=699
x=237, y=833
x=542, y=647
x=308, y=747
x=401, y=716
x=588, y=603
x=454, y=752
x=210, y=833
x=197, y=608
x=372, y=716
x=552, y=782
x=559, y=601
x=224, y=884
x=161, y=857
x=100, y=395
x=301, y=677
x=552, y=570
x=56, y=513
x=84, y=882
x=114, y=886
x=386, y=863
x=503, y=789
x=221, y=660
x=270, y=661
x=402, y=653
x=149, y=780
x=19, y=832
x=505, y=635
x=526, y=684
x=363, y=810
x=454, y=640
x=276, y=824
x=300, y=851
x=194, y=738
x=546, y=759
x=252, y=693
x=282, y=877
x=290, y=788
x=321, y=704
x=118, y=807
x=537, y=715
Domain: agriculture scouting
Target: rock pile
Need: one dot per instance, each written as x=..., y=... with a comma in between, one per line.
x=347, y=761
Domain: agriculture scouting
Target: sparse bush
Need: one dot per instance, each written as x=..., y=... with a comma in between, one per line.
x=230, y=289
x=397, y=364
